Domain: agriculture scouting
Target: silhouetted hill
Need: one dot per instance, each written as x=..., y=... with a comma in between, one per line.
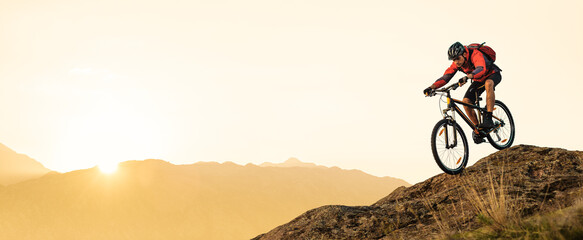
x=498, y=191
x=154, y=199
x=16, y=167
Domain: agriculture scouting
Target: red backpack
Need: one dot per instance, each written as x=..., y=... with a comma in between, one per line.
x=486, y=50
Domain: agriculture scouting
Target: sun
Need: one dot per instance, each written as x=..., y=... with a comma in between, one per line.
x=108, y=168
x=109, y=132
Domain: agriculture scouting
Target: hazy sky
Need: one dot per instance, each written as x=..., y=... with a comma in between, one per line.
x=337, y=83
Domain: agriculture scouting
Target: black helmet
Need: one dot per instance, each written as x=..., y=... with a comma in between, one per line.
x=455, y=50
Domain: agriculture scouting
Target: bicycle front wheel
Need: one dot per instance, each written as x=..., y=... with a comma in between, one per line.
x=502, y=135
x=449, y=146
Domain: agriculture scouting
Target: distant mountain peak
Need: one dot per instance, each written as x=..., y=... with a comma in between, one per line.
x=15, y=167
x=6, y=149
x=292, y=162
x=146, y=161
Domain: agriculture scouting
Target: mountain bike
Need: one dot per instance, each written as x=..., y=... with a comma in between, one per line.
x=448, y=141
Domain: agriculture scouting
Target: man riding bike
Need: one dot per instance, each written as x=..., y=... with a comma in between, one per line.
x=485, y=75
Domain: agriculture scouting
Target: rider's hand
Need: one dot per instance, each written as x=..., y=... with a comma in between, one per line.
x=428, y=91
x=463, y=80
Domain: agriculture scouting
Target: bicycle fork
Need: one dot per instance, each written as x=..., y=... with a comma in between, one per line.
x=450, y=122
x=453, y=143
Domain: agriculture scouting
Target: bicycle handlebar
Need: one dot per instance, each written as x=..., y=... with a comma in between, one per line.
x=446, y=89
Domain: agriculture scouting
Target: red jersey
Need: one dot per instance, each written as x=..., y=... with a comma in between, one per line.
x=478, y=65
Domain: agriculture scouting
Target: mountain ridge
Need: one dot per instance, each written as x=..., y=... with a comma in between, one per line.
x=155, y=199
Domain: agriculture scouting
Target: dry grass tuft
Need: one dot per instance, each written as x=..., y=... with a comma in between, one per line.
x=499, y=214
x=493, y=206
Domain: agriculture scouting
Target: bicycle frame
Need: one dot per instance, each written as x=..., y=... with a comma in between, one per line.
x=453, y=107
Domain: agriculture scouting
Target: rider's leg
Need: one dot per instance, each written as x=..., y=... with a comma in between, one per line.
x=470, y=111
x=490, y=95
x=490, y=99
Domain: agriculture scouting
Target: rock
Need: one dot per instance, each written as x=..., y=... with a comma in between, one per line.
x=515, y=182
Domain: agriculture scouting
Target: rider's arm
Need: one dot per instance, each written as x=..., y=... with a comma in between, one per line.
x=448, y=75
x=479, y=61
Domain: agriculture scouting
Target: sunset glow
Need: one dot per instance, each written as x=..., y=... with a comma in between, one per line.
x=125, y=119
x=108, y=168
x=337, y=83
x=112, y=127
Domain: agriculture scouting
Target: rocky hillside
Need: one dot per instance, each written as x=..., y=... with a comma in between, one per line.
x=154, y=199
x=514, y=183
x=15, y=167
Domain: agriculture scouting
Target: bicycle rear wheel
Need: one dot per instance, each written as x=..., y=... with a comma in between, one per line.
x=503, y=134
x=449, y=146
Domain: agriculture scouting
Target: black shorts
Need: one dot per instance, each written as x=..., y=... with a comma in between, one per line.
x=477, y=88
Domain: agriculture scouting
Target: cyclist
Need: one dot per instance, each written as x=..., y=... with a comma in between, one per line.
x=485, y=75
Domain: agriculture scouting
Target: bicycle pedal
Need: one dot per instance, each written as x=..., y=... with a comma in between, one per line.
x=478, y=138
x=478, y=141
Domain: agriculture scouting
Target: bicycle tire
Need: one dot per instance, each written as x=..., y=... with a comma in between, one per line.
x=450, y=160
x=503, y=135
